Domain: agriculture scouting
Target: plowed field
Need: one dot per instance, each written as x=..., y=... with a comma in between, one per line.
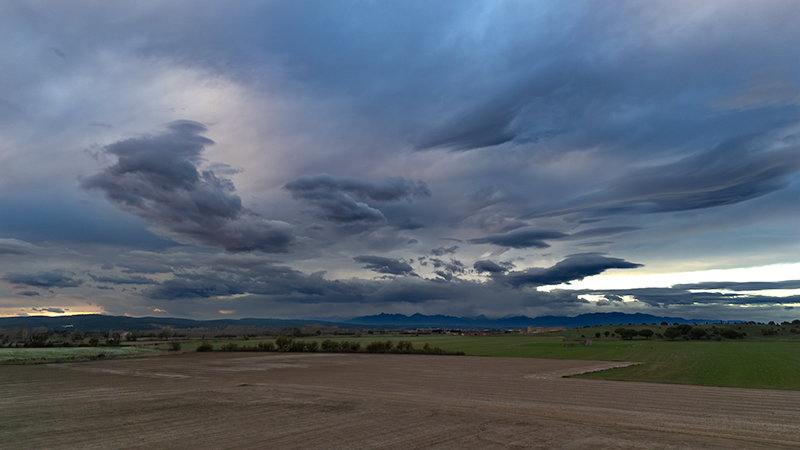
x=347, y=401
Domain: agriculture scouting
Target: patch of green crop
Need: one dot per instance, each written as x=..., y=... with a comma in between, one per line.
x=65, y=354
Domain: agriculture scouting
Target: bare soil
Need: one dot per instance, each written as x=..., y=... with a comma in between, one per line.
x=346, y=401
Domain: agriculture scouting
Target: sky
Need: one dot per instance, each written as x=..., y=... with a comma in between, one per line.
x=304, y=159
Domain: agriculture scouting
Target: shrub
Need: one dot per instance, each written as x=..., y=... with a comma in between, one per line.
x=404, y=347
x=174, y=346
x=230, y=347
x=205, y=347
x=266, y=346
x=283, y=343
x=730, y=334
x=330, y=346
x=132, y=335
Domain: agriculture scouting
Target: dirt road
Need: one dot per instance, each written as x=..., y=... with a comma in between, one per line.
x=346, y=401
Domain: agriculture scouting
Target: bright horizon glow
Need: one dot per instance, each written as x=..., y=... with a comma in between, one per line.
x=771, y=273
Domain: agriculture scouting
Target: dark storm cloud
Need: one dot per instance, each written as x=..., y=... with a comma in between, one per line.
x=156, y=178
x=343, y=200
x=57, y=278
x=533, y=237
x=573, y=268
x=50, y=310
x=441, y=251
x=123, y=280
x=388, y=266
x=27, y=293
x=489, y=266
x=733, y=172
x=522, y=238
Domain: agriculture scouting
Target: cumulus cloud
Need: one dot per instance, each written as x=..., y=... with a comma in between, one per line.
x=56, y=278
x=157, y=178
x=388, y=266
x=343, y=200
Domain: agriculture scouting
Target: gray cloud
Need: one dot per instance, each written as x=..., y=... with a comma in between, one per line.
x=51, y=310
x=343, y=200
x=123, y=280
x=489, y=266
x=388, y=266
x=27, y=293
x=56, y=278
x=573, y=268
x=156, y=178
x=441, y=251
x=533, y=237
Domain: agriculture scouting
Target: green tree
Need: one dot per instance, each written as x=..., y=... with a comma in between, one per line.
x=132, y=335
x=697, y=333
x=671, y=333
x=607, y=333
x=166, y=333
x=647, y=334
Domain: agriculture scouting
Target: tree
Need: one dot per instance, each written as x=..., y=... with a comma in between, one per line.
x=597, y=335
x=684, y=328
x=607, y=333
x=671, y=333
x=132, y=335
x=166, y=333
x=647, y=334
x=78, y=336
x=697, y=333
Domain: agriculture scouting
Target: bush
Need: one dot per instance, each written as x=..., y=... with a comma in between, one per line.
x=283, y=343
x=205, y=347
x=230, y=347
x=266, y=346
x=174, y=346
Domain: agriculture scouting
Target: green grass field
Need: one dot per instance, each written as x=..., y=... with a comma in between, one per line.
x=61, y=354
x=760, y=363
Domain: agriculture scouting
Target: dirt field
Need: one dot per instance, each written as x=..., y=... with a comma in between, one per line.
x=346, y=401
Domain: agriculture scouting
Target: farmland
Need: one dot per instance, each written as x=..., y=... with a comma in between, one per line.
x=755, y=363
x=373, y=401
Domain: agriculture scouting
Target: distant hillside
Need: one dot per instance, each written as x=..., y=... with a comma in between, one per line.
x=480, y=322
x=98, y=322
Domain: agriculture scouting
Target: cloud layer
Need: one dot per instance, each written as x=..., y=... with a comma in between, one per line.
x=321, y=159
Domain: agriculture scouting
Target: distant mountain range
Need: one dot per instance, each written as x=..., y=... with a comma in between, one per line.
x=481, y=322
x=97, y=322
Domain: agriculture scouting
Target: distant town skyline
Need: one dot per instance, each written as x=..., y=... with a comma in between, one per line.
x=308, y=159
